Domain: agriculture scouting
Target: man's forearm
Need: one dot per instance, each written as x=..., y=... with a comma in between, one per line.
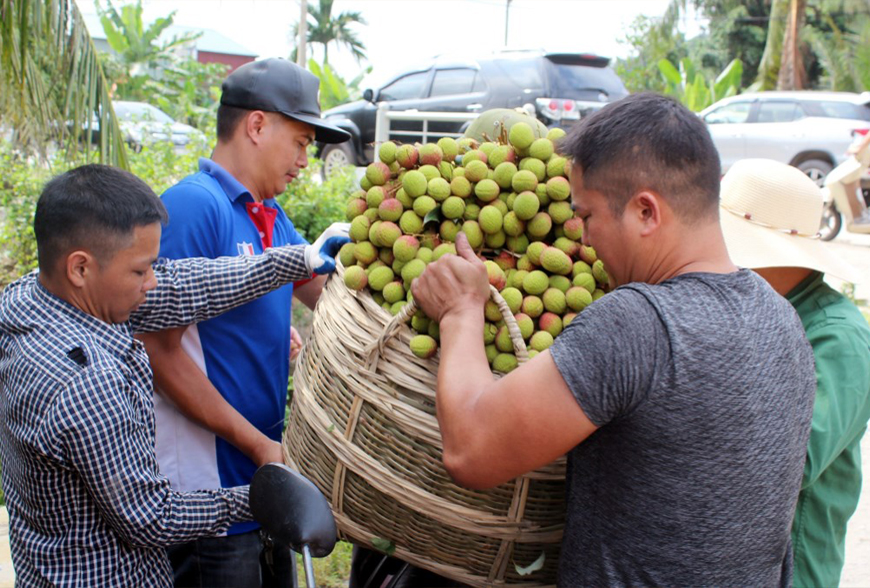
x=181, y=380
x=193, y=290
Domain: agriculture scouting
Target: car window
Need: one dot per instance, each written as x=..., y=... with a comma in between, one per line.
x=566, y=79
x=779, y=111
x=140, y=112
x=405, y=88
x=524, y=73
x=831, y=109
x=449, y=82
x=731, y=113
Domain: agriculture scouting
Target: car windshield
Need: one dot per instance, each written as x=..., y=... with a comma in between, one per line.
x=139, y=111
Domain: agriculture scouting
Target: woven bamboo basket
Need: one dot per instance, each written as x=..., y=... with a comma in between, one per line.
x=363, y=429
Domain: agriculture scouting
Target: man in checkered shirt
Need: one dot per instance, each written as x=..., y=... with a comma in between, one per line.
x=87, y=504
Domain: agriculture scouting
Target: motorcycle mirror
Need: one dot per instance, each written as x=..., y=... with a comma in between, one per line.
x=368, y=95
x=292, y=510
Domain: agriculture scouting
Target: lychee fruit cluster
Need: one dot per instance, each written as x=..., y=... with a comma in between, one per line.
x=511, y=197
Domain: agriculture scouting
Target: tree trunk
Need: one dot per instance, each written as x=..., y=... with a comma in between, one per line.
x=768, y=69
x=792, y=75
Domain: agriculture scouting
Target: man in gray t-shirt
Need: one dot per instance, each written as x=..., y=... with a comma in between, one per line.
x=683, y=398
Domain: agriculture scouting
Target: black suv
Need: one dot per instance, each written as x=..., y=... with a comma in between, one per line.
x=563, y=87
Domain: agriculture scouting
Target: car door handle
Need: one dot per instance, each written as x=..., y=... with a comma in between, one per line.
x=474, y=107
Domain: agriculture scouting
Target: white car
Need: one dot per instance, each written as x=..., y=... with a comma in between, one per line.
x=143, y=123
x=809, y=130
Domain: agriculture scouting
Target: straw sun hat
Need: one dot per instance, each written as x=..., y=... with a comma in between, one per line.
x=770, y=214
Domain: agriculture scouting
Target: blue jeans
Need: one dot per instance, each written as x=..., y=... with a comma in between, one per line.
x=234, y=561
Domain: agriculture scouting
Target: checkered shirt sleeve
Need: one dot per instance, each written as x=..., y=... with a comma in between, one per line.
x=109, y=442
x=193, y=290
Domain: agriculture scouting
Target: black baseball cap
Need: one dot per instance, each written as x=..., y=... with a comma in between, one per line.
x=278, y=85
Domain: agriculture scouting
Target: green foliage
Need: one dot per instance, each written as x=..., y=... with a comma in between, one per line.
x=313, y=204
x=189, y=92
x=690, y=86
x=331, y=571
x=54, y=90
x=652, y=40
x=20, y=186
x=333, y=89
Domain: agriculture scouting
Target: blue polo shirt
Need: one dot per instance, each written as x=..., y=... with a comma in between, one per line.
x=244, y=352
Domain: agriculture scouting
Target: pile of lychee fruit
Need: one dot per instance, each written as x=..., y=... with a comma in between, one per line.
x=512, y=199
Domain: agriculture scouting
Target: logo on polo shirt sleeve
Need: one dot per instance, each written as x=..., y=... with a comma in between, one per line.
x=245, y=248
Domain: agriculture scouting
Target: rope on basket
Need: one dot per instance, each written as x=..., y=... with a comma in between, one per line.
x=377, y=348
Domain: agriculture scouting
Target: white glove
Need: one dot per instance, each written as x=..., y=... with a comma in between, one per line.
x=320, y=255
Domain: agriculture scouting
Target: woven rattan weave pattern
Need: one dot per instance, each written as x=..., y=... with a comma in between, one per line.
x=363, y=428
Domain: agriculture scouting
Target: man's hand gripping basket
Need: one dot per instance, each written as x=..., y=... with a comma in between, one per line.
x=363, y=428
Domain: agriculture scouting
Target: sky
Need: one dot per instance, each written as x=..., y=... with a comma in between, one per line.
x=402, y=33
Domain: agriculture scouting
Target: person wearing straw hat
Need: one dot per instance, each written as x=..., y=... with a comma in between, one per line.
x=223, y=383
x=682, y=399
x=770, y=215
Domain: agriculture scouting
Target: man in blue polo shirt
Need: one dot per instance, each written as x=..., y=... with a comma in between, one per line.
x=223, y=383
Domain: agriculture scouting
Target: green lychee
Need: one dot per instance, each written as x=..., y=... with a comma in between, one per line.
x=541, y=341
x=536, y=166
x=460, y=186
x=524, y=180
x=526, y=205
x=449, y=229
x=345, y=255
x=430, y=154
x=355, y=278
x=521, y=135
x=541, y=149
x=554, y=300
x=560, y=212
x=438, y=189
x=380, y=277
x=407, y=156
x=474, y=233
x=535, y=250
x=414, y=183
x=423, y=205
x=424, y=346
x=453, y=207
x=378, y=173
x=365, y=252
x=355, y=207
x=513, y=297
x=390, y=209
x=359, y=229
x=539, y=225
x=410, y=222
x=550, y=323
x=375, y=195
x=429, y=172
x=573, y=228
x=599, y=273
x=556, y=261
x=475, y=171
x=486, y=190
x=578, y=298
x=505, y=363
x=387, y=152
x=412, y=270
x=449, y=148
x=490, y=219
x=504, y=174
x=558, y=188
x=532, y=306
x=405, y=247
x=536, y=283
x=584, y=280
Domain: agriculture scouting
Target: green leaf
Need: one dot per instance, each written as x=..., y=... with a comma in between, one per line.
x=385, y=545
x=433, y=215
x=669, y=72
x=533, y=567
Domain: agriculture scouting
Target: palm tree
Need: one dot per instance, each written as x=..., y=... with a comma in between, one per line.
x=325, y=30
x=54, y=87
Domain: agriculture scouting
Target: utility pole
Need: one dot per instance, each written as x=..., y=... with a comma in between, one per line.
x=301, y=58
x=507, y=11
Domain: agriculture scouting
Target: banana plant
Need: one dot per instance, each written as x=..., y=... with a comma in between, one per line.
x=54, y=90
x=696, y=92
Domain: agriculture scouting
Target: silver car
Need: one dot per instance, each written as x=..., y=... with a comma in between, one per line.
x=809, y=130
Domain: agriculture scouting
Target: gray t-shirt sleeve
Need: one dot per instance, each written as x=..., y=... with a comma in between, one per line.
x=610, y=353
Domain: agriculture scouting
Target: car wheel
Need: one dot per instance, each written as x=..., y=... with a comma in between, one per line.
x=816, y=169
x=832, y=222
x=336, y=156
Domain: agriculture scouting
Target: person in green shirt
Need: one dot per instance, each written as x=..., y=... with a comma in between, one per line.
x=770, y=214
